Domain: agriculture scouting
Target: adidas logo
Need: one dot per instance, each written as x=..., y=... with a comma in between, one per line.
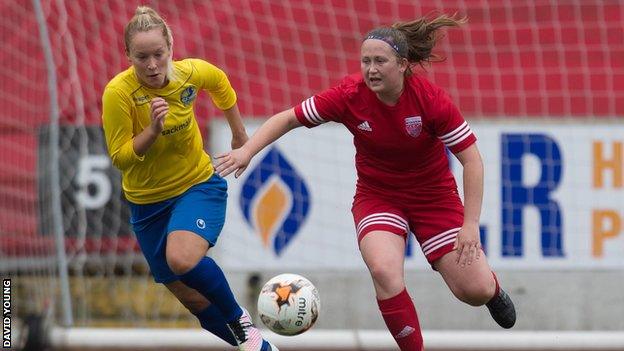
x=365, y=126
x=405, y=332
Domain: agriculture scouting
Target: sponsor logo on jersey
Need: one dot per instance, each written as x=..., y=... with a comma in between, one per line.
x=177, y=128
x=188, y=95
x=140, y=100
x=413, y=125
x=365, y=126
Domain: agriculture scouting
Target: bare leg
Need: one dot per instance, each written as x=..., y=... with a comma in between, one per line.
x=384, y=255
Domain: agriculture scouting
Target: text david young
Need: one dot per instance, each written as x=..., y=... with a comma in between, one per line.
x=6, y=313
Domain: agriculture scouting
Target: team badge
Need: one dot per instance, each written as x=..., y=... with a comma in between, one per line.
x=188, y=95
x=413, y=125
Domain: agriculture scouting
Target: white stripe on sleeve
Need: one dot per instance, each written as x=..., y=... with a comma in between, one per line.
x=457, y=135
x=310, y=112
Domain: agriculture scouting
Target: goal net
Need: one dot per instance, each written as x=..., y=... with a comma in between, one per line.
x=65, y=241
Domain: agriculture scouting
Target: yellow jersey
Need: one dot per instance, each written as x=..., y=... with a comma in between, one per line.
x=177, y=160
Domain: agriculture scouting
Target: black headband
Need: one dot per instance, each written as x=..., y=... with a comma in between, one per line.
x=383, y=35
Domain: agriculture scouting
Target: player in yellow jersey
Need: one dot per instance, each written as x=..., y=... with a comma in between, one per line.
x=176, y=199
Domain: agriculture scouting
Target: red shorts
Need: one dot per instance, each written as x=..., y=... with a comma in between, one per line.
x=435, y=223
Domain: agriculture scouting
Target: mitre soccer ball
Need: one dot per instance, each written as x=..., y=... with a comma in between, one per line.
x=288, y=304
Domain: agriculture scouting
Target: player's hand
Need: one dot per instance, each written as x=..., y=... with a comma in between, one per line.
x=158, y=110
x=467, y=245
x=233, y=161
x=238, y=140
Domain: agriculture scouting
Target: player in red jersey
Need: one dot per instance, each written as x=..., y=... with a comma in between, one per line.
x=402, y=125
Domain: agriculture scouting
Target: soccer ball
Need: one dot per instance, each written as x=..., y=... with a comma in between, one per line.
x=288, y=304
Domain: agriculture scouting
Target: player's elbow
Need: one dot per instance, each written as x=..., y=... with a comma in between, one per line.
x=120, y=162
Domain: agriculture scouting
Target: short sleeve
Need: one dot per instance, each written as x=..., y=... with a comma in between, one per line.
x=449, y=124
x=216, y=83
x=322, y=108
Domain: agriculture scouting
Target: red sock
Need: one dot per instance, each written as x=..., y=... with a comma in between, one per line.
x=497, y=289
x=400, y=316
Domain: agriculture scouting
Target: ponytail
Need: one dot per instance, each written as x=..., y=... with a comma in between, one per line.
x=422, y=35
x=414, y=40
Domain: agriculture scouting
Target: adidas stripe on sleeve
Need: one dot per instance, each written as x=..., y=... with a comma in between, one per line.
x=450, y=126
x=456, y=136
x=310, y=113
x=321, y=108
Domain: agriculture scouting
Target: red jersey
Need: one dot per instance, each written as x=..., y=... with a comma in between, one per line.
x=399, y=149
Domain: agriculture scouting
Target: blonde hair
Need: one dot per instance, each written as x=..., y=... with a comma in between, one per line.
x=414, y=40
x=144, y=20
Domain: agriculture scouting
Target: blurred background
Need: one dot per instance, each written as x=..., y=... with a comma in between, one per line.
x=541, y=83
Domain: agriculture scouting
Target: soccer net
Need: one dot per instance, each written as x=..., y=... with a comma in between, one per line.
x=537, y=60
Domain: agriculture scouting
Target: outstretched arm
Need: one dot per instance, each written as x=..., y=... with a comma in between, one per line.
x=468, y=244
x=271, y=130
x=239, y=135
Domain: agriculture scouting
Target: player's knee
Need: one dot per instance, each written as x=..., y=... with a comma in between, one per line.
x=384, y=275
x=180, y=263
x=474, y=294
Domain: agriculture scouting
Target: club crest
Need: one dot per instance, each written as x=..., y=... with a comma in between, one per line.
x=413, y=125
x=188, y=95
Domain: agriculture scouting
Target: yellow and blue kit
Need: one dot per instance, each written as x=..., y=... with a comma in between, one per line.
x=177, y=160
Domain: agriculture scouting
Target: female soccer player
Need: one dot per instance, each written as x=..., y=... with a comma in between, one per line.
x=177, y=201
x=401, y=124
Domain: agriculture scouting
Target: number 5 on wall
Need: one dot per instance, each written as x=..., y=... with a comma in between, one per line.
x=93, y=182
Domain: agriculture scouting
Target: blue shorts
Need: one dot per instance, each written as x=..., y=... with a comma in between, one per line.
x=200, y=209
